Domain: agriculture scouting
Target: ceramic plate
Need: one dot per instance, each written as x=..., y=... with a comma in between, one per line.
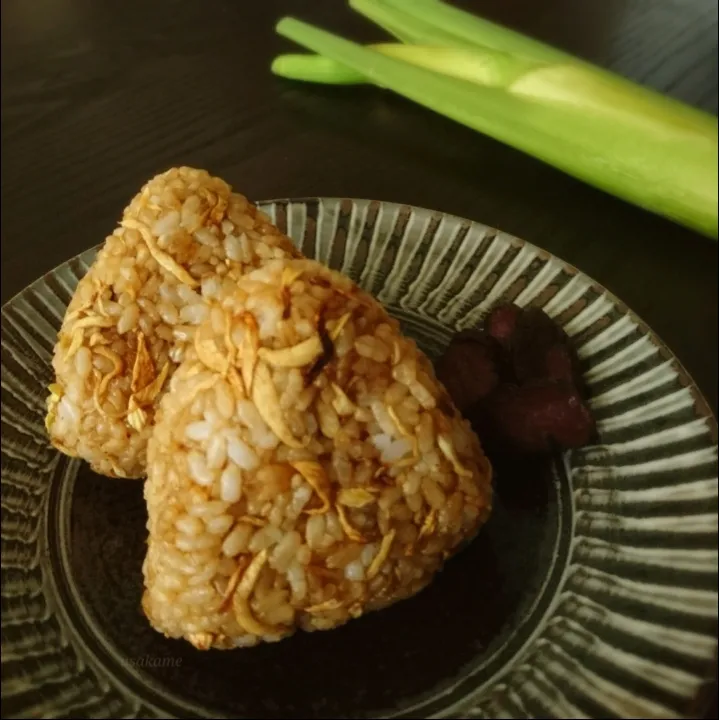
x=592, y=592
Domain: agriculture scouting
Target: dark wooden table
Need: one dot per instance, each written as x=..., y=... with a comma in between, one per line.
x=97, y=96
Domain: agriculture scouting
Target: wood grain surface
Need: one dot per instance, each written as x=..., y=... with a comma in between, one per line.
x=97, y=96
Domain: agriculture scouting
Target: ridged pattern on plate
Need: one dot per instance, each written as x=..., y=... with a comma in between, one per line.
x=632, y=629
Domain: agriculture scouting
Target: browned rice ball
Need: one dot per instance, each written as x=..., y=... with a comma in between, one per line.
x=185, y=235
x=306, y=466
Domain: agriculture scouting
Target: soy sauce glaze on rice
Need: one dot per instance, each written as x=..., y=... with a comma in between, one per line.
x=185, y=235
x=306, y=466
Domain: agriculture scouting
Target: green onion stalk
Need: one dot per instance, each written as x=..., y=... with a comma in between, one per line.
x=627, y=140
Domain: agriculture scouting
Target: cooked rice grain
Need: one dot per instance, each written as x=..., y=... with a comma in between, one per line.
x=264, y=518
x=183, y=238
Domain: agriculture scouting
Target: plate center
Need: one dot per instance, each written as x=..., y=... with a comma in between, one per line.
x=417, y=657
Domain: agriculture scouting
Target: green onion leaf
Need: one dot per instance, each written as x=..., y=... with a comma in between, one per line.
x=315, y=68
x=489, y=69
x=467, y=28
x=408, y=28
